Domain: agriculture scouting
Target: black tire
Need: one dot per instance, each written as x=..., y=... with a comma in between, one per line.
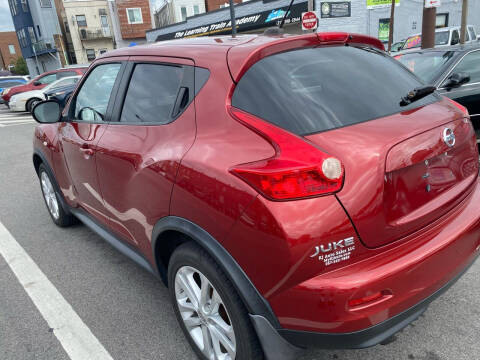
x=31, y=103
x=62, y=218
x=189, y=254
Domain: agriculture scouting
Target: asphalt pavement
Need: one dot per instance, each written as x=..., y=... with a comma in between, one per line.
x=128, y=311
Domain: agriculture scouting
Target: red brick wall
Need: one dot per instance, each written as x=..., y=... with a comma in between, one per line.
x=131, y=31
x=215, y=4
x=8, y=38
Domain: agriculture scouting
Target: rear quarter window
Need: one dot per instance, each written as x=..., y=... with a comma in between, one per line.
x=316, y=89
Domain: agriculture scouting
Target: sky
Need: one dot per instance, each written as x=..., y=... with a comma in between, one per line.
x=6, y=23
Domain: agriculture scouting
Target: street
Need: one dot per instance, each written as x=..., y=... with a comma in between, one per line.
x=128, y=311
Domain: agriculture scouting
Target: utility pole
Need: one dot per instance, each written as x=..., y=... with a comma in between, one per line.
x=310, y=5
x=232, y=17
x=428, y=27
x=390, y=26
x=463, y=28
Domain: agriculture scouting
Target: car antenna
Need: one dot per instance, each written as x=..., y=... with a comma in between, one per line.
x=232, y=18
x=286, y=14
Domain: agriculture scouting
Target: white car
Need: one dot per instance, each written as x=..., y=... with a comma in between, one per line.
x=25, y=101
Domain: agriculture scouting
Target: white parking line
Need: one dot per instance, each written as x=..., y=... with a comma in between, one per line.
x=74, y=336
x=16, y=121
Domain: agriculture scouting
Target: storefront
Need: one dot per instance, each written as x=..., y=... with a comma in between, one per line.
x=371, y=17
x=252, y=17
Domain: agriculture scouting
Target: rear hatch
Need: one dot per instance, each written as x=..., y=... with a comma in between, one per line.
x=400, y=173
x=403, y=170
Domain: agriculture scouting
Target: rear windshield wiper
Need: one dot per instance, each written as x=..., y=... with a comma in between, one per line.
x=417, y=94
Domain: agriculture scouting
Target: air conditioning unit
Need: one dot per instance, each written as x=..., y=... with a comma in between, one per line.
x=48, y=45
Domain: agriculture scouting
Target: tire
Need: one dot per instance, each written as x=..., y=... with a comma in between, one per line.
x=31, y=103
x=190, y=265
x=58, y=214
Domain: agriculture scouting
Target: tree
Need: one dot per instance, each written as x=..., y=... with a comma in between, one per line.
x=20, y=67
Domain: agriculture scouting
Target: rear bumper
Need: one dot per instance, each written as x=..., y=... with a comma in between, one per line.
x=367, y=337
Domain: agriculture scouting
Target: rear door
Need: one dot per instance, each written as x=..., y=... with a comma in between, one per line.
x=152, y=127
x=87, y=119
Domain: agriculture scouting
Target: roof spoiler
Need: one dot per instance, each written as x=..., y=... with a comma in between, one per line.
x=241, y=57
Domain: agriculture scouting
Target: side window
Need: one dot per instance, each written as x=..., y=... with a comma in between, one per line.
x=470, y=64
x=63, y=74
x=455, y=37
x=152, y=93
x=47, y=79
x=92, y=100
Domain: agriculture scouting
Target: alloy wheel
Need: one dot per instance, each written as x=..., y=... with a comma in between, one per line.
x=49, y=195
x=204, y=314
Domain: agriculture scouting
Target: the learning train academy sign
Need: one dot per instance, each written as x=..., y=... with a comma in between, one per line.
x=244, y=23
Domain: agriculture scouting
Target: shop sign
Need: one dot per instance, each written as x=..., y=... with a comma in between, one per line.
x=248, y=22
x=330, y=9
x=375, y=4
x=432, y=3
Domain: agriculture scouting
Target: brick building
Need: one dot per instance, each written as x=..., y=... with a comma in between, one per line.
x=9, y=49
x=134, y=18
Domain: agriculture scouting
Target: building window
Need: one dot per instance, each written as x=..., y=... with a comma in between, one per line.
x=102, y=12
x=38, y=31
x=90, y=54
x=31, y=33
x=46, y=3
x=11, y=49
x=13, y=6
x=24, y=5
x=102, y=51
x=21, y=38
x=196, y=10
x=67, y=28
x=383, y=29
x=81, y=20
x=441, y=20
x=134, y=16
x=183, y=11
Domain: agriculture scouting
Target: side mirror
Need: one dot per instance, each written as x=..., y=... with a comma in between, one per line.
x=457, y=79
x=37, y=83
x=47, y=112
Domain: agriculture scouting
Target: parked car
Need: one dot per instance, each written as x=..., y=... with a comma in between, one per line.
x=42, y=80
x=398, y=45
x=285, y=203
x=455, y=73
x=61, y=94
x=443, y=37
x=25, y=101
x=7, y=82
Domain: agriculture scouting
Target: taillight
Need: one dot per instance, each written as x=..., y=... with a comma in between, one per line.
x=297, y=170
x=459, y=106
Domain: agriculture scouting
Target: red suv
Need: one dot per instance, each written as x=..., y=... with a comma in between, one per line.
x=291, y=191
x=42, y=80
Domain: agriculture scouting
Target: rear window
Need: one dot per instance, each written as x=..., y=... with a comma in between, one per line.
x=316, y=89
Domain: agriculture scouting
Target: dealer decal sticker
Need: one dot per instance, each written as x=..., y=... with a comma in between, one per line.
x=334, y=252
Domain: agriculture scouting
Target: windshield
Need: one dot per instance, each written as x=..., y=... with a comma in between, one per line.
x=426, y=65
x=441, y=37
x=61, y=82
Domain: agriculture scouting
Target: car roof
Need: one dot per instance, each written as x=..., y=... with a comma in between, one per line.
x=202, y=50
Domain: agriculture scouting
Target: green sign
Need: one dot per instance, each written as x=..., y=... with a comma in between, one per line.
x=372, y=4
x=383, y=29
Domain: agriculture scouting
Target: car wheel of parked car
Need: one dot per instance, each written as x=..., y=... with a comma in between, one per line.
x=31, y=103
x=209, y=310
x=58, y=214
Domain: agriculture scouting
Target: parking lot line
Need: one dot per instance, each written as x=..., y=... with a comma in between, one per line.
x=72, y=333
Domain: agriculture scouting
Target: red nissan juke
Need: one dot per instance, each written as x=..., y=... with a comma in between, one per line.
x=291, y=191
